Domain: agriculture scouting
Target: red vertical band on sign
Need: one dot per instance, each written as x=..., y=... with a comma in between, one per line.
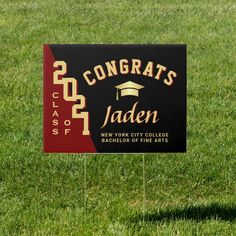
x=61, y=133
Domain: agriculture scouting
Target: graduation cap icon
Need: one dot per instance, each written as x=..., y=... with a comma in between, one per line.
x=128, y=89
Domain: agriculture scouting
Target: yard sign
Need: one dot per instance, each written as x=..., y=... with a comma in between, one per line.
x=114, y=98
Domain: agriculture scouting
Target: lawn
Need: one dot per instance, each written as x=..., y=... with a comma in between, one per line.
x=186, y=194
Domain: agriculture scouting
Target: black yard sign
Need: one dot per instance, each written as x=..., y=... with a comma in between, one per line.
x=115, y=98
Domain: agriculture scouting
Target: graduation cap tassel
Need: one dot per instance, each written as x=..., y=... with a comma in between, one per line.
x=117, y=95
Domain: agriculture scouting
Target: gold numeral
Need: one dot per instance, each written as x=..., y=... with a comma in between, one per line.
x=74, y=96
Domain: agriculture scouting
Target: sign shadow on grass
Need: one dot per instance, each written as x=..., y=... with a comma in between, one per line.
x=194, y=213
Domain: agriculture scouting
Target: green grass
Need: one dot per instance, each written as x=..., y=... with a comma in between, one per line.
x=186, y=194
